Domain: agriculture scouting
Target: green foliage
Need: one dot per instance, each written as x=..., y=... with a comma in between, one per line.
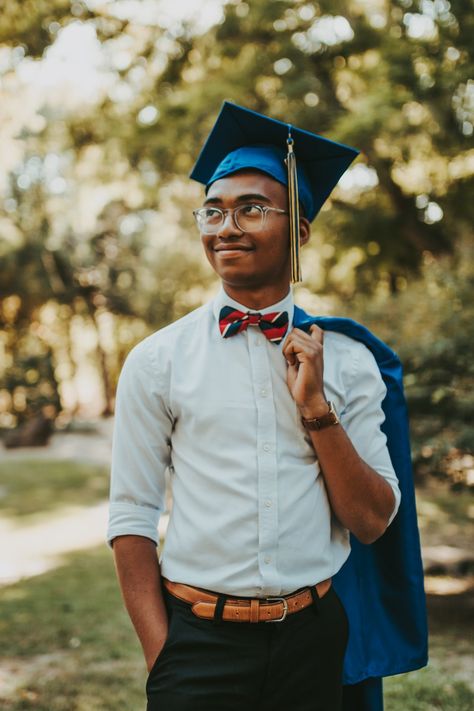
x=31, y=26
x=27, y=22
x=384, y=91
x=403, y=97
x=31, y=383
x=430, y=324
x=125, y=268
x=394, y=79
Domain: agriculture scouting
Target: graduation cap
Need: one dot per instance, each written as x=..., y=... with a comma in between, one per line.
x=308, y=164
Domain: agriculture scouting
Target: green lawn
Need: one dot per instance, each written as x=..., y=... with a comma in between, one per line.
x=75, y=614
x=427, y=690
x=38, y=486
x=66, y=637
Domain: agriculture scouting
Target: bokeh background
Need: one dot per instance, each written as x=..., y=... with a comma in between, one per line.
x=104, y=105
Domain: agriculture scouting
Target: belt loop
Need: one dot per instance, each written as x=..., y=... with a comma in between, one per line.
x=314, y=594
x=219, y=609
x=254, y=610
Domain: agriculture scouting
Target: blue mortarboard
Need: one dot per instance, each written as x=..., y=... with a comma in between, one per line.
x=308, y=164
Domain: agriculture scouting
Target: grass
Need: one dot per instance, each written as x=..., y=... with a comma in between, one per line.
x=425, y=690
x=70, y=625
x=35, y=486
x=67, y=641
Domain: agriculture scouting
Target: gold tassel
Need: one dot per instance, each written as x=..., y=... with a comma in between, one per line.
x=294, y=211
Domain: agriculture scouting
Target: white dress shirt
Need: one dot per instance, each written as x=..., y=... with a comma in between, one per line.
x=250, y=512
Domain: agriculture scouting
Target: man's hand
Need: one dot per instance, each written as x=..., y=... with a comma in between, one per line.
x=150, y=659
x=304, y=355
x=139, y=575
x=361, y=499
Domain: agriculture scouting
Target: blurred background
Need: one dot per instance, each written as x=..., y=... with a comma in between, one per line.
x=104, y=105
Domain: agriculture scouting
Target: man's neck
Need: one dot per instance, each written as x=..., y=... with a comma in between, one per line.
x=257, y=299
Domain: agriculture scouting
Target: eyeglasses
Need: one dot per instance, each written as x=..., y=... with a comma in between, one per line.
x=248, y=218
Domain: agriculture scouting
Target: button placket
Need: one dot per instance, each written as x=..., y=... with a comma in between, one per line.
x=266, y=463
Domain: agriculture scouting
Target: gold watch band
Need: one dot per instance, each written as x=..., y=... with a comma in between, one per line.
x=319, y=423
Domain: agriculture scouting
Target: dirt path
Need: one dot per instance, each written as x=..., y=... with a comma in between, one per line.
x=37, y=547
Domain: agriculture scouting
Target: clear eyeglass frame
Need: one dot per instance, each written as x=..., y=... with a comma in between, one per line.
x=256, y=221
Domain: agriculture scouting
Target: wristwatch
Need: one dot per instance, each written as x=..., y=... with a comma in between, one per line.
x=319, y=423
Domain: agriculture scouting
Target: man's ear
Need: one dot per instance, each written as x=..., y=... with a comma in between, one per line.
x=305, y=231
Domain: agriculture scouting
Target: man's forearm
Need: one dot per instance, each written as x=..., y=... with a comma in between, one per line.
x=138, y=571
x=361, y=499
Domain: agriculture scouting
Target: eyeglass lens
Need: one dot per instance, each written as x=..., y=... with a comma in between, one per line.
x=246, y=217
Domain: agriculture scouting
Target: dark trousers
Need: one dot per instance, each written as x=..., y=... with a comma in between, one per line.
x=294, y=665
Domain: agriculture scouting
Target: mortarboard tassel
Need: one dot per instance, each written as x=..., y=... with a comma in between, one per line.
x=294, y=211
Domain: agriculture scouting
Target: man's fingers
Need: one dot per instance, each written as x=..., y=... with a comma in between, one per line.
x=314, y=332
x=317, y=333
x=299, y=340
x=290, y=355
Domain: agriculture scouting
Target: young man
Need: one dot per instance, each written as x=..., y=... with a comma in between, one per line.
x=272, y=434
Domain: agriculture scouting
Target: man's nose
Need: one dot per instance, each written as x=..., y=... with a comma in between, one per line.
x=229, y=227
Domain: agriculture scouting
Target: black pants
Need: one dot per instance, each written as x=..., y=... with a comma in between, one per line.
x=294, y=665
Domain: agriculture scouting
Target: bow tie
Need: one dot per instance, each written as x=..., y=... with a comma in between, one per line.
x=274, y=325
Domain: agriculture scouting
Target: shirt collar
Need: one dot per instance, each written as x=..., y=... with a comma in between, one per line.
x=286, y=304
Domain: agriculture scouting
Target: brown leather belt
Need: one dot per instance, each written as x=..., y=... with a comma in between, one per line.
x=271, y=609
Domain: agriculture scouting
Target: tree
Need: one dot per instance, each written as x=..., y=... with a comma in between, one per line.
x=431, y=326
x=392, y=78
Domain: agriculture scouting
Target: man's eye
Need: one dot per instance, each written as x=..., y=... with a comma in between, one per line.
x=211, y=214
x=251, y=210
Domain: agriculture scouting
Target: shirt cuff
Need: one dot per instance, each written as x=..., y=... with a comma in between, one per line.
x=398, y=497
x=128, y=519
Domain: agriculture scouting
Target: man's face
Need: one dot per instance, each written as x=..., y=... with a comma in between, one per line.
x=250, y=259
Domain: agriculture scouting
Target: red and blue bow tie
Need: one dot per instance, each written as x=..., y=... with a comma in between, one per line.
x=274, y=325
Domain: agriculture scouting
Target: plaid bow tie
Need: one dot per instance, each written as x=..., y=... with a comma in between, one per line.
x=273, y=325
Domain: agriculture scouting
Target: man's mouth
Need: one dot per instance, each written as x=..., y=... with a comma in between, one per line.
x=233, y=248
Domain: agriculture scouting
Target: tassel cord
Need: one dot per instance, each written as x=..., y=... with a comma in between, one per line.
x=294, y=214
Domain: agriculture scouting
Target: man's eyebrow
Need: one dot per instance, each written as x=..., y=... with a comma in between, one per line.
x=249, y=197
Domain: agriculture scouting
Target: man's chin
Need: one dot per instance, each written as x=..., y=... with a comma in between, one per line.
x=245, y=280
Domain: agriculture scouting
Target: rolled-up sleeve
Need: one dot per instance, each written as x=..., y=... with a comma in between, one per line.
x=140, y=448
x=363, y=416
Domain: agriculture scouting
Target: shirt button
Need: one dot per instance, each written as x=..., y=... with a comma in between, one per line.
x=266, y=447
x=264, y=392
x=267, y=559
x=268, y=503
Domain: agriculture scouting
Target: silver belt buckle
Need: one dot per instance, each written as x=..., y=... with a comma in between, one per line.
x=285, y=607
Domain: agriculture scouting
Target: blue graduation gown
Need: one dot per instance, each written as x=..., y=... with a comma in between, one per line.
x=381, y=585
